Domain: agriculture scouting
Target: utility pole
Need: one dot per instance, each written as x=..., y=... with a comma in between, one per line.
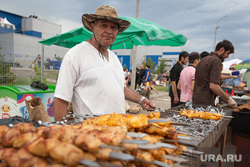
x=134, y=54
x=217, y=27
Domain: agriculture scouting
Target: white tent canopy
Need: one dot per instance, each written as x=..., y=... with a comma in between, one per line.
x=227, y=64
x=5, y=23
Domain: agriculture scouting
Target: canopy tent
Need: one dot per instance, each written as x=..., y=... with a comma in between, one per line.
x=227, y=64
x=140, y=32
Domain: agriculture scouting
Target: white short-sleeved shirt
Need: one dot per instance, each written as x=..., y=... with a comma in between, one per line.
x=93, y=84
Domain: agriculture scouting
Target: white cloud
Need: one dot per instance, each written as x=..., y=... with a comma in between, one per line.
x=68, y=25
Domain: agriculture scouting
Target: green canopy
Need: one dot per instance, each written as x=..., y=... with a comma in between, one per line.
x=140, y=32
x=243, y=65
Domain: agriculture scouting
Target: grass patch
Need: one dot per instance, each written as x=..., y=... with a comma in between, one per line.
x=53, y=74
x=161, y=88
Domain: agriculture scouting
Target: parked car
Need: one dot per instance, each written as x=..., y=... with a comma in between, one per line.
x=10, y=62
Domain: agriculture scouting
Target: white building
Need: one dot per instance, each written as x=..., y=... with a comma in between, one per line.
x=20, y=36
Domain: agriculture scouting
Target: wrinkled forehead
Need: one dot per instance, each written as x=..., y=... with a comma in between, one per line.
x=101, y=21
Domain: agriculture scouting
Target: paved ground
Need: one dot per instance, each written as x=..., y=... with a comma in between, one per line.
x=162, y=100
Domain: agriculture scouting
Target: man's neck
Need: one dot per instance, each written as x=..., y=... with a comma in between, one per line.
x=192, y=64
x=180, y=62
x=102, y=49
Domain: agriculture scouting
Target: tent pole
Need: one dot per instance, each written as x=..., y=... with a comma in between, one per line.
x=133, y=76
x=42, y=65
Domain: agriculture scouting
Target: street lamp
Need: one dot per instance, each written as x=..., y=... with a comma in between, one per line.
x=217, y=27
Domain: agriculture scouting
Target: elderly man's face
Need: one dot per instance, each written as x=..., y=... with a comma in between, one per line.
x=105, y=32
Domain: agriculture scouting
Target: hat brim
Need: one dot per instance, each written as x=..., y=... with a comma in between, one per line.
x=87, y=19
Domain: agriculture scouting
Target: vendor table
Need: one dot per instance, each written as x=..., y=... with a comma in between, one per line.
x=209, y=142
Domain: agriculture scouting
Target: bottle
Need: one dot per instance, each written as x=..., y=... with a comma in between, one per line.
x=226, y=91
x=232, y=93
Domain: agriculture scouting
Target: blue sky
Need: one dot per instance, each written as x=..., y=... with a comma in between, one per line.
x=195, y=19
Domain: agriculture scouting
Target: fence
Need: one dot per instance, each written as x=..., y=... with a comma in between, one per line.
x=17, y=59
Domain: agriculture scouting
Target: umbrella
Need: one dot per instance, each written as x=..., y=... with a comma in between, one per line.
x=243, y=65
x=140, y=32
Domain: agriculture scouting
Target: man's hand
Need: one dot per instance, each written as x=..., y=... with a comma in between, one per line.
x=231, y=103
x=176, y=100
x=147, y=104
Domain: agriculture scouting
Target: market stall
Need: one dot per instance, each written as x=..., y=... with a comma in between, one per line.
x=155, y=139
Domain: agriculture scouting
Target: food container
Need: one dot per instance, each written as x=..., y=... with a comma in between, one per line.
x=241, y=122
x=241, y=99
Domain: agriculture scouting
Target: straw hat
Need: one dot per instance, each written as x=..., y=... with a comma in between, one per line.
x=105, y=12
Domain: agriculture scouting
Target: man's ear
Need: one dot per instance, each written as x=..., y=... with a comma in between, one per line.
x=221, y=51
x=92, y=25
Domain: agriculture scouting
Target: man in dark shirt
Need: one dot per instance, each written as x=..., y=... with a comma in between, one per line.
x=208, y=75
x=174, y=77
x=141, y=75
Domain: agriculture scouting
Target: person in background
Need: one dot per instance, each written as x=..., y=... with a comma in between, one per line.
x=151, y=87
x=33, y=66
x=141, y=75
x=147, y=73
x=187, y=78
x=137, y=77
x=204, y=54
x=208, y=75
x=175, y=76
x=91, y=75
x=144, y=89
x=38, y=59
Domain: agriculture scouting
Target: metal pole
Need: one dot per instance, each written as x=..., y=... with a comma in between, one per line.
x=42, y=65
x=134, y=54
x=216, y=27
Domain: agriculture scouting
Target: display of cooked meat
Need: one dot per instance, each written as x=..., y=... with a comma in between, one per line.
x=200, y=114
x=243, y=107
x=64, y=145
x=239, y=87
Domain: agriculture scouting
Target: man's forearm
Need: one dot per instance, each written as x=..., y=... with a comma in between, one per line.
x=174, y=90
x=60, y=109
x=131, y=96
x=218, y=91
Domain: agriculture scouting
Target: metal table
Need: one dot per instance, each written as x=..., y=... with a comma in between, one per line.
x=209, y=142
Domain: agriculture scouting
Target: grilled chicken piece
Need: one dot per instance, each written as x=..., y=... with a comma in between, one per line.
x=41, y=146
x=130, y=121
x=66, y=153
x=10, y=136
x=24, y=139
x=103, y=153
x=203, y=115
x=147, y=156
x=157, y=153
x=22, y=158
x=154, y=115
x=167, y=161
x=153, y=128
x=107, y=134
x=53, y=132
x=25, y=127
x=88, y=141
x=3, y=130
x=153, y=138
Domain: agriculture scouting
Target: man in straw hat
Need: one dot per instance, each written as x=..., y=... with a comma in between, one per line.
x=91, y=76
